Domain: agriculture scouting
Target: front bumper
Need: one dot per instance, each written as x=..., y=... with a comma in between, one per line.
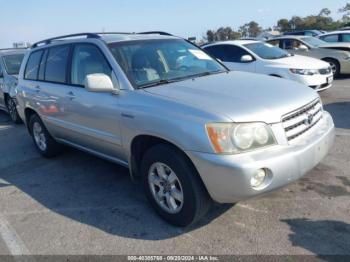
x=344, y=66
x=317, y=82
x=227, y=177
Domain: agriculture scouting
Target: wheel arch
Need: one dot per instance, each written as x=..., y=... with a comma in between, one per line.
x=28, y=112
x=139, y=146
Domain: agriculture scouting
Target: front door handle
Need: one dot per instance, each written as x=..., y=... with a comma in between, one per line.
x=37, y=88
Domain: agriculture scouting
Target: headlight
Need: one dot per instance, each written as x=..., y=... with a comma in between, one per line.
x=230, y=138
x=309, y=72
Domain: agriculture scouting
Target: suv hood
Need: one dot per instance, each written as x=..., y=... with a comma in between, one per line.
x=299, y=62
x=239, y=96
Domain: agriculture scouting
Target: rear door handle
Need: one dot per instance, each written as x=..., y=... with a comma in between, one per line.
x=71, y=95
x=37, y=88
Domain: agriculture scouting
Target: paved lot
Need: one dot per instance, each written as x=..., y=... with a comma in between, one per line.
x=78, y=204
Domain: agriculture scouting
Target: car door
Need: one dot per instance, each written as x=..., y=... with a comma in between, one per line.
x=231, y=56
x=93, y=117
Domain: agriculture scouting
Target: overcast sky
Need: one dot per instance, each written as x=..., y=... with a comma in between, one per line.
x=37, y=19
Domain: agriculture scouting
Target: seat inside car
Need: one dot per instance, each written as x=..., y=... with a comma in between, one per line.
x=144, y=67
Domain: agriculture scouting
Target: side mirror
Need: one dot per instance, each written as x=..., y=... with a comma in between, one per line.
x=247, y=59
x=303, y=48
x=99, y=83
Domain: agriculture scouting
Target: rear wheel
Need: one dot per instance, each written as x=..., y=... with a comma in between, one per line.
x=43, y=141
x=12, y=109
x=173, y=186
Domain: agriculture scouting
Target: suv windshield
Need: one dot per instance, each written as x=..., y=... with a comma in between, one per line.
x=267, y=51
x=152, y=62
x=313, y=41
x=13, y=63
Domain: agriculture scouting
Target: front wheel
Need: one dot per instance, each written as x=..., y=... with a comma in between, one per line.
x=12, y=109
x=43, y=141
x=335, y=66
x=173, y=186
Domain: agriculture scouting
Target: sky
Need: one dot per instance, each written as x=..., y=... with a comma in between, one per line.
x=34, y=20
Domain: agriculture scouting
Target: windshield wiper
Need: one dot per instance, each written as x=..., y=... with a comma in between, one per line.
x=168, y=81
x=200, y=75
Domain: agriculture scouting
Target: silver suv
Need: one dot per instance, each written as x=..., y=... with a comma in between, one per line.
x=10, y=63
x=187, y=128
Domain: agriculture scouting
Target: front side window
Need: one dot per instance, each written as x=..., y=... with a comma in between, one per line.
x=291, y=44
x=267, y=51
x=149, y=62
x=330, y=38
x=32, y=68
x=88, y=59
x=13, y=63
x=56, y=64
x=274, y=43
x=232, y=53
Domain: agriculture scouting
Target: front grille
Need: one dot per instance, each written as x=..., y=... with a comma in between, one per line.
x=325, y=71
x=302, y=120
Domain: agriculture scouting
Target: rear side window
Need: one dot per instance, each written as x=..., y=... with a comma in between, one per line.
x=56, y=64
x=346, y=38
x=88, y=59
x=330, y=38
x=32, y=68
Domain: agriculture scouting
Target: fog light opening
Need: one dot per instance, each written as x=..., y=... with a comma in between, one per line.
x=258, y=178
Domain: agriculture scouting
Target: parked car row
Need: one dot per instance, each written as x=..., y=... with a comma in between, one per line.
x=189, y=129
x=264, y=58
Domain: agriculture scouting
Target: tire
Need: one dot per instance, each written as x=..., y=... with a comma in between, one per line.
x=195, y=199
x=43, y=141
x=12, y=110
x=334, y=65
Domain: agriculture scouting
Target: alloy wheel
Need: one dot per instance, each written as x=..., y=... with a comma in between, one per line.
x=39, y=136
x=166, y=188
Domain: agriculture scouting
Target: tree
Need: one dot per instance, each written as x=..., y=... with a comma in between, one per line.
x=222, y=34
x=346, y=11
x=251, y=29
x=283, y=25
x=325, y=12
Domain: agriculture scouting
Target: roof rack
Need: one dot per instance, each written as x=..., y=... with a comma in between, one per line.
x=49, y=41
x=155, y=33
x=93, y=35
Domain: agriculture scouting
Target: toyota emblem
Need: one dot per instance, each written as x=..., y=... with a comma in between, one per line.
x=309, y=119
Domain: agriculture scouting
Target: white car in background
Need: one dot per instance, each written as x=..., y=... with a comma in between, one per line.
x=263, y=58
x=336, y=37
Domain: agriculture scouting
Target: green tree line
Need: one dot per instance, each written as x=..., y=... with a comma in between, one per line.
x=321, y=21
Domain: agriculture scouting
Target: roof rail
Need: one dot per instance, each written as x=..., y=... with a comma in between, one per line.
x=155, y=33
x=115, y=33
x=49, y=40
